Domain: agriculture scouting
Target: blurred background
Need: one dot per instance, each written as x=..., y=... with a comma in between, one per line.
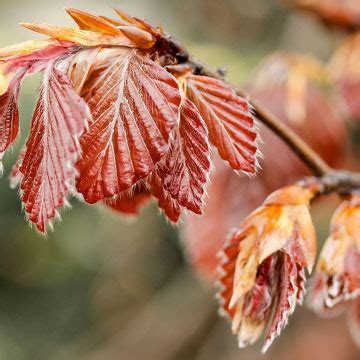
x=103, y=287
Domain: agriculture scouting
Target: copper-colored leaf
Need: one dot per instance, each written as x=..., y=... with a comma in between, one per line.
x=37, y=49
x=229, y=121
x=262, y=265
x=89, y=38
x=9, y=116
x=130, y=203
x=128, y=19
x=186, y=167
x=338, y=268
x=170, y=206
x=87, y=21
x=15, y=174
x=18, y=62
x=52, y=147
x=134, y=103
x=287, y=295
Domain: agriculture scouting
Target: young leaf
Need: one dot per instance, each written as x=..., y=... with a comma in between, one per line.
x=80, y=66
x=52, y=147
x=89, y=38
x=9, y=116
x=135, y=105
x=15, y=174
x=130, y=203
x=229, y=121
x=87, y=21
x=34, y=50
x=170, y=206
x=287, y=292
x=186, y=167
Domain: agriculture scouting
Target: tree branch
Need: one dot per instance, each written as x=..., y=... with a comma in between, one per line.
x=329, y=179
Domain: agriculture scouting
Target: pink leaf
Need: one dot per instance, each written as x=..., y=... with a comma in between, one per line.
x=52, y=147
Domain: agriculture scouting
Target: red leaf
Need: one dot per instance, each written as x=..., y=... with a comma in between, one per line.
x=52, y=147
x=9, y=116
x=169, y=205
x=285, y=303
x=187, y=164
x=134, y=103
x=15, y=174
x=229, y=121
x=130, y=204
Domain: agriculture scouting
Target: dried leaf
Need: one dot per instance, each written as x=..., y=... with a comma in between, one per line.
x=134, y=103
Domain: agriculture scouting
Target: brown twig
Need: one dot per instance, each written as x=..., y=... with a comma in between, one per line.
x=332, y=180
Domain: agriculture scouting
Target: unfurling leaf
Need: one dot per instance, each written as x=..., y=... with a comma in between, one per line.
x=91, y=38
x=261, y=273
x=337, y=277
x=130, y=203
x=52, y=148
x=39, y=49
x=87, y=21
x=229, y=121
x=134, y=104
